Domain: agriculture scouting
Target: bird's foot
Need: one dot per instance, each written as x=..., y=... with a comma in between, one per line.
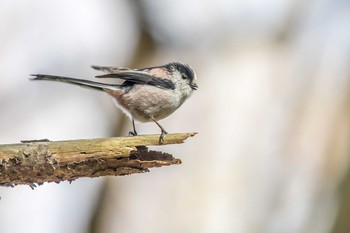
x=161, y=136
x=132, y=133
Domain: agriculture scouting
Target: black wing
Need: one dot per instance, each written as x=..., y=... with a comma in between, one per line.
x=134, y=76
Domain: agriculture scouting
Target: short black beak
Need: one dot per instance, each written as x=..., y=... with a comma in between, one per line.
x=194, y=86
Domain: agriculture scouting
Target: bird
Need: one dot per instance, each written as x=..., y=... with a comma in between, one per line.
x=146, y=94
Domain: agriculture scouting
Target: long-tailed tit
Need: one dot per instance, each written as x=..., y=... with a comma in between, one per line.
x=147, y=94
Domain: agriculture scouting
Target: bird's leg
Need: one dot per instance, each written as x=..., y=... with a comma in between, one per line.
x=133, y=126
x=161, y=137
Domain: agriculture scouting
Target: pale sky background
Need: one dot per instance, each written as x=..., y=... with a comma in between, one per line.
x=272, y=112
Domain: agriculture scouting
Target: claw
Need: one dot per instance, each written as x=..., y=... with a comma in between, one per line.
x=161, y=136
x=133, y=126
x=132, y=133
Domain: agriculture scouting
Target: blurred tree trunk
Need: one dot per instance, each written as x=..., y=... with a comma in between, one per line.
x=342, y=223
x=143, y=54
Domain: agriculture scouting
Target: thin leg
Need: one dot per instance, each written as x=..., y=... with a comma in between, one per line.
x=161, y=137
x=134, y=128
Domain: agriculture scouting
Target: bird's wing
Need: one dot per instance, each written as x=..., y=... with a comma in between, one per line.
x=109, y=69
x=134, y=76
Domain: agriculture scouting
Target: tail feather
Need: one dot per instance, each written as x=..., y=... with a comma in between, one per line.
x=80, y=82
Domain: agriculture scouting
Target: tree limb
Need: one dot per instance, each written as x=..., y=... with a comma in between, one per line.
x=39, y=161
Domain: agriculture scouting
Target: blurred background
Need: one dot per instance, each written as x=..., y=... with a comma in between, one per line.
x=272, y=111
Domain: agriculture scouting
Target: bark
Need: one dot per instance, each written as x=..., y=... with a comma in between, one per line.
x=38, y=161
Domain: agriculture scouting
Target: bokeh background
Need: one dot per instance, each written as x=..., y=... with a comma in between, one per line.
x=272, y=111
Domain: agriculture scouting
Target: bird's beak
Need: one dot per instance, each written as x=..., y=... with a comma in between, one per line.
x=194, y=86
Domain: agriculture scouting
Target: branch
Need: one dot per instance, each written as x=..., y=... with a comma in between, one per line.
x=39, y=161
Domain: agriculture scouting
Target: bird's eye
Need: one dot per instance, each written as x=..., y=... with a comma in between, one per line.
x=184, y=76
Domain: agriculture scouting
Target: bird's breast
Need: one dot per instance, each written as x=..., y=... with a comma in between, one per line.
x=143, y=101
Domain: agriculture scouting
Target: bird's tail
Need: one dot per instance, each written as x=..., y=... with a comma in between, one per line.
x=81, y=82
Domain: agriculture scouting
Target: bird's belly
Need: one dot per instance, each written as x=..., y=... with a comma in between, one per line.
x=149, y=101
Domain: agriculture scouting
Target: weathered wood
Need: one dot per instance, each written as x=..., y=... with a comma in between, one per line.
x=39, y=161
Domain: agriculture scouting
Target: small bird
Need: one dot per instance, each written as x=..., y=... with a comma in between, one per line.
x=147, y=94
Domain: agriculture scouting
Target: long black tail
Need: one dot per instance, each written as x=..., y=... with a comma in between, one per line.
x=75, y=81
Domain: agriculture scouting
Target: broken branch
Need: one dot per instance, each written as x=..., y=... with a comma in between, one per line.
x=38, y=161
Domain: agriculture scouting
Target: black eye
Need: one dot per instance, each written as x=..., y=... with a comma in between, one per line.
x=184, y=76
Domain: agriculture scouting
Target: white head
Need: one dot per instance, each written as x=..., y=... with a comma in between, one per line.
x=183, y=76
